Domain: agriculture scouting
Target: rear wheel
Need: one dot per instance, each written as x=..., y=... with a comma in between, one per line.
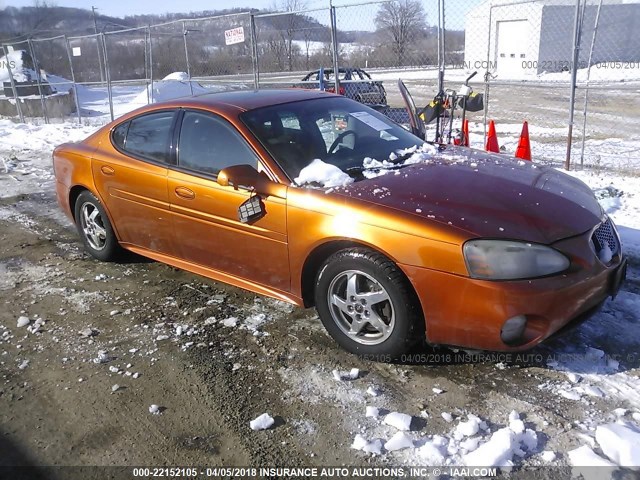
x=367, y=305
x=94, y=228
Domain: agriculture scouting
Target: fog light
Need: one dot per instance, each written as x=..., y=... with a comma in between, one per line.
x=513, y=329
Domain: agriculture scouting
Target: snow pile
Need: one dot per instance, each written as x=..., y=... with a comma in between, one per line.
x=401, y=421
x=399, y=441
x=470, y=443
x=548, y=456
x=433, y=452
x=599, y=374
x=174, y=85
x=373, y=412
x=373, y=391
x=20, y=73
x=374, y=168
x=621, y=443
x=262, y=422
x=18, y=61
x=361, y=443
x=584, y=456
x=503, y=445
x=469, y=428
x=325, y=174
x=23, y=321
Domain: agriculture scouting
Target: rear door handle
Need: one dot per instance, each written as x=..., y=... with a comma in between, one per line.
x=185, y=192
x=107, y=170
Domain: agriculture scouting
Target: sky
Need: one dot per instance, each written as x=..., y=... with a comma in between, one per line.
x=122, y=8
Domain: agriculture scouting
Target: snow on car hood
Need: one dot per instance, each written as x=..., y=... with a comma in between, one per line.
x=486, y=195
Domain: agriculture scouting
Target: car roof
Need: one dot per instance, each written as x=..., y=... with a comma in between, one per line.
x=243, y=100
x=341, y=69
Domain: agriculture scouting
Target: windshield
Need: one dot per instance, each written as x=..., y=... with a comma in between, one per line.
x=336, y=130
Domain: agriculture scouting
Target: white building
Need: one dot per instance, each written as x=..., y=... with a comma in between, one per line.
x=525, y=38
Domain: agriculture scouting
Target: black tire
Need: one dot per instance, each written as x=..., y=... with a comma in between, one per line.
x=95, y=229
x=375, y=275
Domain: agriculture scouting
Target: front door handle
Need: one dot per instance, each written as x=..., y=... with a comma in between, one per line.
x=107, y=170
x=185, y=193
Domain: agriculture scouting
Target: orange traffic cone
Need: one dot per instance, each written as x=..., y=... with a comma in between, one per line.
x=524, y=147
x=465, y=133
x=492, y=139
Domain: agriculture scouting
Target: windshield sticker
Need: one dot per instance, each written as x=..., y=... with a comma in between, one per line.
x=370, y=120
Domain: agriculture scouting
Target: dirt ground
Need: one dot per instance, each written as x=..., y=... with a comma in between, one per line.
x=158, y=333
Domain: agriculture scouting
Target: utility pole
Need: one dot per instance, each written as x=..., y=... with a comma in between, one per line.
x=95, y=29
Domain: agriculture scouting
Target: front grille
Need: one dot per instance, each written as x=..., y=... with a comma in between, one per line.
x=605, y=235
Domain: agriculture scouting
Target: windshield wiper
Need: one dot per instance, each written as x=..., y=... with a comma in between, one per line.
x=394, y=164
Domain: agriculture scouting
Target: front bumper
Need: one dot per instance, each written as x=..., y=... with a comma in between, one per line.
x=465, y=312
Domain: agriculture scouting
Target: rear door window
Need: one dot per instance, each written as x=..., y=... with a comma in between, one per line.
x=208, y=144
x=119, y=135
x=148, y=136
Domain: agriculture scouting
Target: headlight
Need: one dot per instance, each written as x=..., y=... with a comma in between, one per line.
x=508, y=260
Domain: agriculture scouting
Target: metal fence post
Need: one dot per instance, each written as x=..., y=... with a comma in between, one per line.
x=586, y=92
x=146, y=62
x=254, y=52
x=150, y=91
x=574, y=76
x=13, y=84
x=36, y=67
x=487, y=77
x=107, y=71
x=441, y=34
x=334, y=45
x=186, y=55
x=73, y=79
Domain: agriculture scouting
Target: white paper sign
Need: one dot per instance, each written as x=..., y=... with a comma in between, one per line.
x=233, y=36
x=76, y=52
x=370, y=120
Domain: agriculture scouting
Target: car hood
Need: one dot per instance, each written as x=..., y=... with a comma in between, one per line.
x=485, y=195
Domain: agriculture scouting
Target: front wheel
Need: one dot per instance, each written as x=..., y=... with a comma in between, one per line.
x=367, y=305
x=95, y=229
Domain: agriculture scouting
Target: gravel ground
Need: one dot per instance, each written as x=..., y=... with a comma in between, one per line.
x=120, y=337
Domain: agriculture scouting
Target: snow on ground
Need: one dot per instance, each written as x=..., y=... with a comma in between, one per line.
x=600, y=72
x=174, y=85
x=320, y=47
x=25, y=154
x=18, y=70
x=94, y=101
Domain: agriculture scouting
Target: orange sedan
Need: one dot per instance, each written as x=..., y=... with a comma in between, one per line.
x=316, y=199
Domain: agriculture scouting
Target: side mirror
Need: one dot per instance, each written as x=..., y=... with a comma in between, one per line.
x=247, y=177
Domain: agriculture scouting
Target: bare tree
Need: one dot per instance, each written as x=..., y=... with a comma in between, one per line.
x=277, y=48
x=307, y=43
x=288, y=24
x=400, y=21
x=40, y=17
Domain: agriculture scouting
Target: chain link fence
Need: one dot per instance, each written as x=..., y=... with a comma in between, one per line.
x=291, y=45
x=570, y=68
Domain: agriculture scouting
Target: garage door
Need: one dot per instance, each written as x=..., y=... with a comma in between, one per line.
x=513, y=36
